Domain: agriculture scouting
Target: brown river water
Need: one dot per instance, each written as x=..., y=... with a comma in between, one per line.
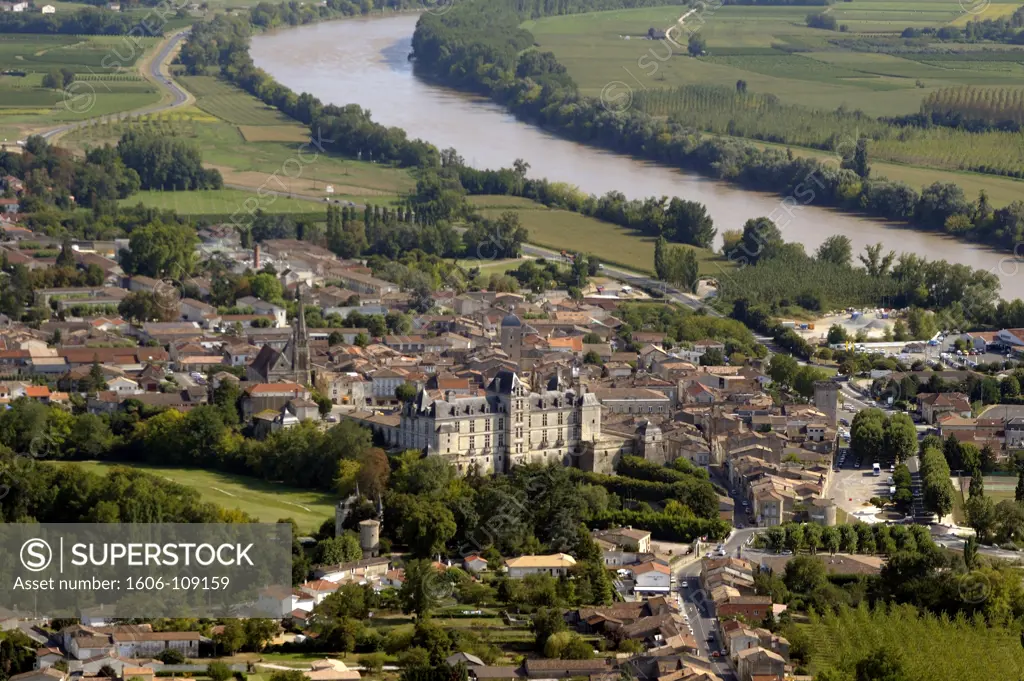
x=365, y=62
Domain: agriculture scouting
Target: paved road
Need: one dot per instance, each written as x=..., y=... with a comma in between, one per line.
x=179, y=96
x=697, y=605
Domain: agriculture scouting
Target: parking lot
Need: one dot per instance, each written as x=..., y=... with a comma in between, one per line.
x=851, y=488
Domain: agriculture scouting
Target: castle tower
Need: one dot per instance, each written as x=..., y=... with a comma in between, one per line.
x=826, y=400
x=512, y=337
x=369, y=538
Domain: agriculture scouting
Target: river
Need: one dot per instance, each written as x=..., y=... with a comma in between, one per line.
x=365, y=62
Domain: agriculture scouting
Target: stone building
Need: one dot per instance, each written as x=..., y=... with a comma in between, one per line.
x=510, y=425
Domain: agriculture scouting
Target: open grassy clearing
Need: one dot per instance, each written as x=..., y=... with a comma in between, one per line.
x=561, y=229
x=223, y=202
x=264, y=500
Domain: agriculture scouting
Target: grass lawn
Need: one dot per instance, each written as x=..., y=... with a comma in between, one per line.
x=560, y=229
x=223, y=201
x=264, y=500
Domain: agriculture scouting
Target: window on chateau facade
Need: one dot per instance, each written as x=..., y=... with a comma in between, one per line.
x=487, y=441
x=561, y=418
x=501, y=424
x=472, y=442
x=544, y=420
x=472, y=426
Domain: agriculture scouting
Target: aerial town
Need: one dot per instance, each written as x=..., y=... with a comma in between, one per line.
x=496, y=340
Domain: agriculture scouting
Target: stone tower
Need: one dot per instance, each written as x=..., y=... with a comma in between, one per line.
x=369, y=538
x=512, y=337
x=826, y=400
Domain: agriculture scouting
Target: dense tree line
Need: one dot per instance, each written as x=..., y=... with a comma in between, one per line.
x=87, y=21
x=1004, y=29
x=166, y=163
x=783, y=275
x=53, y=175
x=42, y=492
x=451, y=47
x=936, y=486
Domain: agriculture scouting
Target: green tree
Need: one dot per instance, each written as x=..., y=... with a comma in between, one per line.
x=804, y=574
x=406, y=392
x=337, y=550
x=837, y=250
x=423, y=588
x=883, y=664
x=900, y=437
x=171, y=656
x=159, y=250
x=546, y=621
x=783, y=369
x=266, y=287
x=259, y=632
x=696, y=45
x=877, y=264
x=218, y=671
x=231, y=638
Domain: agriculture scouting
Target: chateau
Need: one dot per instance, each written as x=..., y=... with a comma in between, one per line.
x=509, y=426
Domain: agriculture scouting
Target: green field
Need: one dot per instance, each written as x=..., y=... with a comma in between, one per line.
x=266, y=501
x=231, y=104
x=223, y=202
x=560, y=229
x=229, y=126
x=825, y=74
x=866, y=68
x=106, y=74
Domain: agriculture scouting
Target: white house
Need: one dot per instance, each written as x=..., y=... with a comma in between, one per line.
x=651, y=578
x=556, y=565
x=474, y=563
x=122, y=386
x=48, y=9
x=19, y=6
x=319, y=589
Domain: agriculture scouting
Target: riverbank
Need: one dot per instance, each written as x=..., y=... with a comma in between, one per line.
x=449, y=49
x=366, y=62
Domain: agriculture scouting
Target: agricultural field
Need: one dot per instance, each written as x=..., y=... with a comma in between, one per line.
x=223, y=202
x=254, y=146
x=817, y=81
x=230, y=104
x=106, y=78
x=756, y=44
x=266, y=501
x=560, y=229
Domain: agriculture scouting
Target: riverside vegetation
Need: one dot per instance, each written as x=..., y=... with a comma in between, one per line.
x=485, y=49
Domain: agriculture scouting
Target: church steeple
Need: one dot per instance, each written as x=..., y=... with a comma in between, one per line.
x=300, y=344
